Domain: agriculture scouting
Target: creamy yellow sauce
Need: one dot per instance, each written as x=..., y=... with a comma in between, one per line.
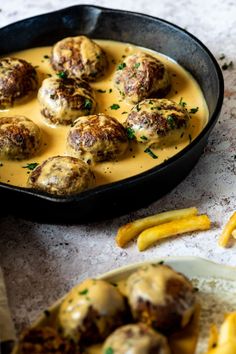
x=135, y=160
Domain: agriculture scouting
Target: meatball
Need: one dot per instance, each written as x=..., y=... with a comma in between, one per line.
x=18, y=79
x=136, y=338
x=97, y=138
x=61, y=175
x=20, y=138
x=79, y=57
x=44, y=341
x=154, y=121
x=62, y=100
x=91, y=311
x=161, y=298
x=141, y=76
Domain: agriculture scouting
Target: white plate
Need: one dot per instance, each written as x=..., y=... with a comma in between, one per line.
x=216, y=284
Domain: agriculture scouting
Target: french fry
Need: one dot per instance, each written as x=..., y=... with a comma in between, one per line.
x=234, y=233
x=129, y=231
x=227, y=231
x=192, y=223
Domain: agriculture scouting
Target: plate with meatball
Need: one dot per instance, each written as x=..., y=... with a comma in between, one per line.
x=91, y=114
x=163, y=307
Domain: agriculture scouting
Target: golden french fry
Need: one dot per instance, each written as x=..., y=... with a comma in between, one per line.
x=129, y=231
x=234, y=233
x=213, y=337
x=192, y=223
x=227, y=231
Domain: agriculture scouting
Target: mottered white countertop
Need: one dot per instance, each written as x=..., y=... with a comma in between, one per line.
x=41, y=262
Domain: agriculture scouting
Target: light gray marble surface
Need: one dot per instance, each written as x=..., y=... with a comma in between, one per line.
x=41, y=262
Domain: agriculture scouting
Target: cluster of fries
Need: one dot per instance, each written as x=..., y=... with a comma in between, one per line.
x=154, y=228
x=223, y=341
x=229, y=232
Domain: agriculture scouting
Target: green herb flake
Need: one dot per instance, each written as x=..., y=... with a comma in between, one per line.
x=124, y=112
x=83, y=292
x=31, y=166
x=47, y=313
x=143, y=137
x=130, y=133
x=161, y=262
x=138, y=108
x=109, y=350
x=46, y=56
x=226, y=66
x=136, y=65
x=121, y=66
x=36, y=66
x=193, y=110
x=182, y=103
x=115, y=106
x=222, y=57
x=171, y=121
x=87, y=104
x=151, y=153
x=62, y=74
x=101, y=91
x=110, y=90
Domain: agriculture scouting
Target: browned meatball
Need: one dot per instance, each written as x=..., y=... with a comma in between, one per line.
x=20, y=138
x=62, y=100
x=44, y=341
x=18, y=79
x=141, y=76
x=79, y=57
x=91, y=311
x=154, y=121
x=61, y=175
x=161, y=297
x=136, y=339
x=97, y=138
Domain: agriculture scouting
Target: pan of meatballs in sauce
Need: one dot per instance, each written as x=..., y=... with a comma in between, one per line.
x=165, y=306
x=98, y=106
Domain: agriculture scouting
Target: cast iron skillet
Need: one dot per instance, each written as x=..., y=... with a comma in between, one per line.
x=101, y=23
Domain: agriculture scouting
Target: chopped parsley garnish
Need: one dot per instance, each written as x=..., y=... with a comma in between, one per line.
x=109, y=350
x=138, y=108
x=151, y=153
x=130, y=133
x=124, y=112
x=87, y=103
x=115, y=106
x=121, y=66
x=171, y=121
x=137, y=65
x=222, y=57
x=83, y=292
x=161, y=262
x=36, y=66
x=47, y=313
x=31, y=166
x=101, y=91
x=110, y=90
x=226, y=66
x=62, y=74
x=46, y=56
x=182, y=103
x=193, y=110
x=143, y=137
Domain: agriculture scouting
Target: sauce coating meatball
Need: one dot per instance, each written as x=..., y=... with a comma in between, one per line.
x=161, y=298
x=97, y=138
x=18, y=79
x=91, y=311
x=61, y=175
x=20, y=138
x=79, y=57
x=62, y=100
x=154, y=121
x=136, y=339
x=141, y=76
x=44, y=341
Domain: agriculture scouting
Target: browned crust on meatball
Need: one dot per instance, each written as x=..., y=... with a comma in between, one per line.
x=74, y=179
x=46, y=341
x=138, y=78
x=99, y=135
x=19, y=137
x=18, y=79
x=75, y=63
